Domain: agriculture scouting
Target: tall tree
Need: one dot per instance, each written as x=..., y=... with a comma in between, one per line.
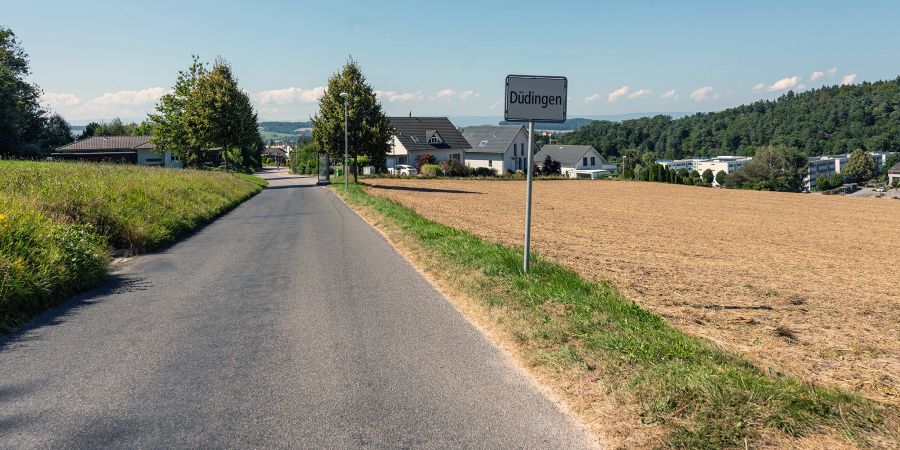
x=220, y=114
x=21, y=116
x=369, y=129
x=57, y=132
x=777, y=168
x=170, y=130
x=861, y=166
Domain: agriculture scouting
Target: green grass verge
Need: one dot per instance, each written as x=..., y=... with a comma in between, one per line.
x=703, y=396
x=60, y=221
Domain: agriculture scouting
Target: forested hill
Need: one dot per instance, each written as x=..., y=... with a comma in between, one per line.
x=283, y=127
x=829, y=120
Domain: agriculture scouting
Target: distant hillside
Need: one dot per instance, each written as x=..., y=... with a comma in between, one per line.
x=283, y=127
x=829, y=120
x=569, y=124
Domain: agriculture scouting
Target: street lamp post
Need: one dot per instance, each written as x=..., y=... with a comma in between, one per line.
x=344, y=96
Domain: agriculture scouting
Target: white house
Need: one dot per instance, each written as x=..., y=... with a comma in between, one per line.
x=573, y=159
x=126, y=149
x=436, y=136
x=499, y=147
x=718, y=164
x=894, y=174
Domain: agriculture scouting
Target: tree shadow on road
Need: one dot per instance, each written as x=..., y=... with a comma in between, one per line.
x=115, y=284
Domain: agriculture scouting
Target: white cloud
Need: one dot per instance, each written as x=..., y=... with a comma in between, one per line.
x=785, y=83
x=816, y=75
x=832, y=71
x=670, y=95
x=128, y=98
x=394, y=96
x=592, y=98
x=450, y=94
x=496, y=104
x=848, y=79
x=126, y=104
x=704, y=93
x=640, y=93
x=759, y=87
x=618, y=93
x=59, y=99
x=290, y=95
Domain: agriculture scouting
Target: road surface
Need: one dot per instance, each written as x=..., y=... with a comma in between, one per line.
x=289, y=322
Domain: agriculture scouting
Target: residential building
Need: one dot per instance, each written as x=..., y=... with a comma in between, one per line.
x=277, y=154
x=499, y=147
x=436, y=136
x=121, y=149
x=894, y=174
x=573, y=159
x=821, y=166
x=881, y=158
x=678, y=164
x=718, y=164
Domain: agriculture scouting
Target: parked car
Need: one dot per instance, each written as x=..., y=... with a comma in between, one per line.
x=403, y=169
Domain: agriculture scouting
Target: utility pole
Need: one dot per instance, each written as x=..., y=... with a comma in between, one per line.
x=344, y=95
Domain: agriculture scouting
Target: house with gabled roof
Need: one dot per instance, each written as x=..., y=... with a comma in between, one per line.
x=894, y=174
x=436, y=136
x=574, y=160
x=121, y=149
x=499, y=147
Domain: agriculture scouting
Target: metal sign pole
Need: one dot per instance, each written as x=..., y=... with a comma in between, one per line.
x=528, y=197
x=534, y=99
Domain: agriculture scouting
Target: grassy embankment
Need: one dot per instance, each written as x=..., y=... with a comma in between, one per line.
x=60, y=221
x=682, y=391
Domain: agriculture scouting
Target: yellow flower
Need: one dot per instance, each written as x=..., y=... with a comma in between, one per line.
x=2, y=217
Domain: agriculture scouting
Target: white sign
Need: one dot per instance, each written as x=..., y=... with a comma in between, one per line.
x=534, y=98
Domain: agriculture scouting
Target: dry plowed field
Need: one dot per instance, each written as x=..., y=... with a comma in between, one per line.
x=803, y=284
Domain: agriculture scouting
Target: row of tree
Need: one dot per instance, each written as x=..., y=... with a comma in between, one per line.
x=829, y=120
x=206, y=110
x=116, y=127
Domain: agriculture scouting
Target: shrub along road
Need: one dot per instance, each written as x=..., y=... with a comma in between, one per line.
x=287, y=322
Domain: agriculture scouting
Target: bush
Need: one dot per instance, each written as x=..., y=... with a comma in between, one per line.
x=430, y=170
x=453, y=168
x=550, y=167
x=424, y=158
x=485, y=172
x=42, y=262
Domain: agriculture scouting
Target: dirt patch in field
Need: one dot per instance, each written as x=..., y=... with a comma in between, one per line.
x=802, y=284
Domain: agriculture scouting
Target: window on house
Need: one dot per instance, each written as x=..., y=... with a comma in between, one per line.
x=593, y=161
x=414, y=138
x=584, y=161
x=490, y=163
x=435, y=140
x=482, y=144
x=515, y=150
x=455, y=157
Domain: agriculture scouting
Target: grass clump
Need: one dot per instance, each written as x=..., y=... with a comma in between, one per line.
x=702, y=395
x=60, y=221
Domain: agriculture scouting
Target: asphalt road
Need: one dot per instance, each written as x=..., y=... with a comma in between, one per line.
x=289, y=322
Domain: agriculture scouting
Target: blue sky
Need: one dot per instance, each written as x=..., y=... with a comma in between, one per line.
x=102, y=59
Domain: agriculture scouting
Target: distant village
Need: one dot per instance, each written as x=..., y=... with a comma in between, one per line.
x=500, y=149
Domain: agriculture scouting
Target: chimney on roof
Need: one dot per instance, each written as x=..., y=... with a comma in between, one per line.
x=410, y=114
